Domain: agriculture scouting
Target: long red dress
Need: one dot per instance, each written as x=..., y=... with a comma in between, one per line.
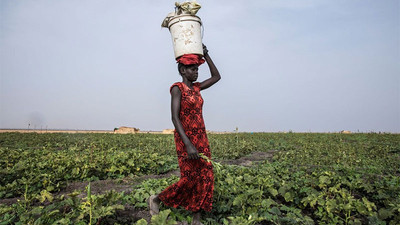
x=194, y=190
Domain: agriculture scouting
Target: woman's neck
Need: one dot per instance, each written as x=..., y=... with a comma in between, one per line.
x=188, y=83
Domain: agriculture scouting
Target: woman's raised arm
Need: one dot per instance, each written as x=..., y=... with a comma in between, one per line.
x=215, y=76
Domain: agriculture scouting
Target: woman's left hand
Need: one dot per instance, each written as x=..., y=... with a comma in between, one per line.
x=205, y=50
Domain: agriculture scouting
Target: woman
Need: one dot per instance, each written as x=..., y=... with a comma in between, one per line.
x=194, y=190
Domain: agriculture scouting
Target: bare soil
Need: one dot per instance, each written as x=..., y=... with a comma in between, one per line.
x=126, y=185
x=251, y=159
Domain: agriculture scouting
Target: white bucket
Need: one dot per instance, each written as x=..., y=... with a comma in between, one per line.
x=186, y=35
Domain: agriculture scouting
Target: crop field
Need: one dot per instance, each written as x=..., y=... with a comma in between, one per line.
x=260, y=178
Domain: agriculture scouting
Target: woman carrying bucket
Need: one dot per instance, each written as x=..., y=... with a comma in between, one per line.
x=194, y=190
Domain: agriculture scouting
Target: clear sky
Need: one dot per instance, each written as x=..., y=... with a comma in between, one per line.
x=300, y=65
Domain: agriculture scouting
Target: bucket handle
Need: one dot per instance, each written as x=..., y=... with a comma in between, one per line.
x=170, y=25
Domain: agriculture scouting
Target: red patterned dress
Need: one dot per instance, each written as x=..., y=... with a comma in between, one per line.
x=194, y=190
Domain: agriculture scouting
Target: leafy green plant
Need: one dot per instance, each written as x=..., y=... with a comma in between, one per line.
x=162, y=218
x=311, y=178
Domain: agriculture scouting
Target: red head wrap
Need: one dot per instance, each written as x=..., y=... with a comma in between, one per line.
x=190, y=59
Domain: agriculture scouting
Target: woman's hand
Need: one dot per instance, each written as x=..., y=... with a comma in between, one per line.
x=192, y=152
x=205, y=50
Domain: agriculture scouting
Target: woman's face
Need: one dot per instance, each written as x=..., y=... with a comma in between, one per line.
x=191, y=72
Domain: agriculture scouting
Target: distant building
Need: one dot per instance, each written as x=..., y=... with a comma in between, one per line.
x=168, y=131
x=345, y=132
x=126, y=130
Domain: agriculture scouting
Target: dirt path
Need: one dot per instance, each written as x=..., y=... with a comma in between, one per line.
x=126, y=185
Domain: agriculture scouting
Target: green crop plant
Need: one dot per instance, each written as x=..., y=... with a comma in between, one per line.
x=310, y=179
